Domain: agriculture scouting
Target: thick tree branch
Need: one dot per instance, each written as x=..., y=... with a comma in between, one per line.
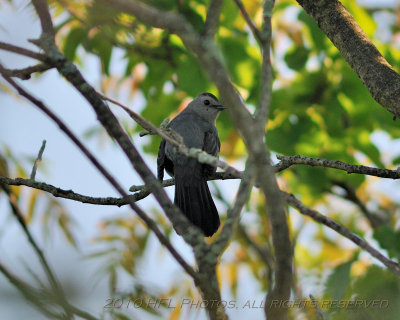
x=283, y=273
x=287, y=161
x=376, y=73
x=43, y=12
x=212, y=18
x=391, y=265
x=262, y=111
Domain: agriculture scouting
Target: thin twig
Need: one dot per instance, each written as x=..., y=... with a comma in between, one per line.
x=20, y=218
x=263, y=252
x=392, y=265
x=22, y=51
x=335, y=164
x=249, y=22
x=38, y=159
x=26, y=73
x=141, y=191
x=163, y=126
x=242, y=195
x=350, y=194
x=320, y=314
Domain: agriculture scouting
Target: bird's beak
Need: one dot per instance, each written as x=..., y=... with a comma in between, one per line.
x=219, y=107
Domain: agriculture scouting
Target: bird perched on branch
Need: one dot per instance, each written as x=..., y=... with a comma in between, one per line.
x=196, y=125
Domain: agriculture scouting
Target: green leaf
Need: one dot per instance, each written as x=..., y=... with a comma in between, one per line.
x=389, y=240
x=318, y=38
x=239, y=58
x=162, y=4
x=194, y=18
x=32, y=205
x=75, y=37
x=396, y=160
x=338, y=280
x=121, y=316
x=297, y=58
x=103, y=48
x=191, y=77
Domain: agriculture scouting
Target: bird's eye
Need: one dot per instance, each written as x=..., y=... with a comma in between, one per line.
x=206, y=102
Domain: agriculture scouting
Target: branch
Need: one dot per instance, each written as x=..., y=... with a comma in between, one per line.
x=22, y=51
x=265, y=255
x=391, y=265
x=287, y=161
x=262, y=111
x=26, y=73
x=320, y=313
x=141, y=192
x=376, y=73
x=242, y=195
x=374, y=219
x=43, y=12
x=265, y=173
x=148, y=221
x=249, y=22
x=212, y=18
x=38, y=159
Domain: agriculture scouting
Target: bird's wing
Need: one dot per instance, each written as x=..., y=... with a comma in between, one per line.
x=211, y=146
x=211, y=142
x=161, y=161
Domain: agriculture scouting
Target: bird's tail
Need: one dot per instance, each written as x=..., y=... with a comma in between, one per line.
x=195, y=201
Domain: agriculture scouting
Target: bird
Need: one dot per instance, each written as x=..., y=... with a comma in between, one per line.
x=196, y=125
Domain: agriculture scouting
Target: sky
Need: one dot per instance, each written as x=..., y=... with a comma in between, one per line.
x=23, y=128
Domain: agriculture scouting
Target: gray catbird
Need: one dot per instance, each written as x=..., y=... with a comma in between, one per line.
x=196, y=125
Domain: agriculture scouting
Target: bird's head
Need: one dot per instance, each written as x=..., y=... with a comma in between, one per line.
x=207, y=106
